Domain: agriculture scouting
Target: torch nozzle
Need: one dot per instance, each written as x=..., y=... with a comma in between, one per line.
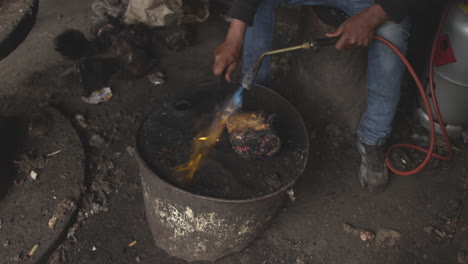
x=249, y=76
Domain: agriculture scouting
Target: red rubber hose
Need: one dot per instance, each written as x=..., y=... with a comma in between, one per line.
x=429, y=152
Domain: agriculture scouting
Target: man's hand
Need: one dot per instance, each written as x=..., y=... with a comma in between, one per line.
x=358, y=30
x=227, y=55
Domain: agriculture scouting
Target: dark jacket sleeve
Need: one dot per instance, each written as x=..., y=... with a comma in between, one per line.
x=244, y=10
x=396, y=9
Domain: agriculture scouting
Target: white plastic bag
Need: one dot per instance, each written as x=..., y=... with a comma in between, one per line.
x=159, y=13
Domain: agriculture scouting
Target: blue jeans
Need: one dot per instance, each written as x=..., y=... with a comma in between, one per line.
x=384, y=70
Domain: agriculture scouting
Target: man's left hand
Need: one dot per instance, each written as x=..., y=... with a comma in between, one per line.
x=358, y=30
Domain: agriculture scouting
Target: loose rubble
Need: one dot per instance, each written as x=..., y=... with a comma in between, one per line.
x=33, y=175
x=462, y=257
x=363, y=234
x=81, y=121
x=387, y=238
x=33, y=250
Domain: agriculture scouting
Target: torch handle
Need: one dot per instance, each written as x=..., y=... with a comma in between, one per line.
x=326, y=41
x=222, y=82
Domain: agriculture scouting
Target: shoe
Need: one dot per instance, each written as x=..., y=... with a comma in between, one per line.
x=373, y=173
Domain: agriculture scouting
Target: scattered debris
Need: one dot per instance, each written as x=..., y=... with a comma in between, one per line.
x=33, y=250
x=428, y=229
x=103, y=9
x=101, y=95
x=30, y=164
x=446, y=223
x=81, y=121
x=64, y=208
x=300, y=260
x=6, y=243
x=138, y=259
x=363, y=234
x=156, y=78
x=133, y=243
x=33, y=175
x=465, y=137
x=58, y=257
x=97, y=141
x=130, y=150
x=53, y=153
x=93, y=248
x=387, y=238
x=290, y=193
x=96, y=208
x=462, y=257
x=16, y=258
x=439, y=233
x=176, y=36
x=52, y=222
x=159, y=13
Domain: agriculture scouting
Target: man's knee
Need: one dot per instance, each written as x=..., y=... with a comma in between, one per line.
x=397, y=33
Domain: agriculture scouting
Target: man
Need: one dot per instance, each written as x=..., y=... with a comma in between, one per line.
x=252, y=27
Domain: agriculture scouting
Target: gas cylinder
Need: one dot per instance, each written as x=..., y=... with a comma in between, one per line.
x=450, y=72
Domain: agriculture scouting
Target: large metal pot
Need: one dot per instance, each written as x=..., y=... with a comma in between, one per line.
x=196, y=227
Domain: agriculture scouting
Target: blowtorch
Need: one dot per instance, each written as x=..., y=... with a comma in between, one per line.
x=314, y=45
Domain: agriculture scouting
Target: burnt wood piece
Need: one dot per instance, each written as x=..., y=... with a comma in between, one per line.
x=252, y=136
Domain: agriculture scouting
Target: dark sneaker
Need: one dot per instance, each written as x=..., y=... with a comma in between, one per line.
x=373, y=173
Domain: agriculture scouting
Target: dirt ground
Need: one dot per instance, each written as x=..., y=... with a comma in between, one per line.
x=427, y=209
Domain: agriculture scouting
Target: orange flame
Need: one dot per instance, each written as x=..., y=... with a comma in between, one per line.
x=202, y=145
x=206, y=139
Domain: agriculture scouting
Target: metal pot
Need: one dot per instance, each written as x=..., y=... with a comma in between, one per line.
x=196, y=227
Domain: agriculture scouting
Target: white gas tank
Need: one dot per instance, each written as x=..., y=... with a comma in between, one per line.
x=451, y=70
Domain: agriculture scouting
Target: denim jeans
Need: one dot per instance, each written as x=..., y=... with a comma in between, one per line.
x=384, y=70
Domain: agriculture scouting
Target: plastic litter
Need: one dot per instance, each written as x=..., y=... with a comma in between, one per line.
x=158, y=13
x=291, y=196
x=156, y=78
x=33, y=175
x=98, y=96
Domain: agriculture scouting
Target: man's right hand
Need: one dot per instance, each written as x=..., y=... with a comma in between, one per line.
x=227, y=55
